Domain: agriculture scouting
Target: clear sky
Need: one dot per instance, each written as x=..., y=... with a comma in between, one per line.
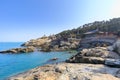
x=21, y=20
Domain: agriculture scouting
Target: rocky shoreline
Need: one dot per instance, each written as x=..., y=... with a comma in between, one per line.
x=57, y=43
x=98, y=55
x=19, y=50
x=70, y=71
x=96, y=62
x=99, y=63
x=52, y=43
x=46, y=44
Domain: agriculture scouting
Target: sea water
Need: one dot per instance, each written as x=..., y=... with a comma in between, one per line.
x=12, y=64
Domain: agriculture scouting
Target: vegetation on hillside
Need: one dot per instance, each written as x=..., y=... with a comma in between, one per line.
x=112, y=25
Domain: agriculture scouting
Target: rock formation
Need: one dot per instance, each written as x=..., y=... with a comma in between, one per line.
x=37, y=42
x=19, y=50
x=98, y=55
x=52, y=43
x=68, y=71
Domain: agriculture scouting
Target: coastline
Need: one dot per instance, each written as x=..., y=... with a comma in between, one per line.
x=70, y=71
x=98, y=47
x=88, y=64
x=12, y=64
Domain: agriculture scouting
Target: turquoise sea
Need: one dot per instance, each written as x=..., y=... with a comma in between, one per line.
x=12, y=64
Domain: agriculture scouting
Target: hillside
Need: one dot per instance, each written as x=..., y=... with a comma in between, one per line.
x=70, y=39
x=112, y=25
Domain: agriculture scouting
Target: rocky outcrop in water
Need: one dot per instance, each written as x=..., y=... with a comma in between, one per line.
x=52, y=43
x=19, y=50
x=68, y=71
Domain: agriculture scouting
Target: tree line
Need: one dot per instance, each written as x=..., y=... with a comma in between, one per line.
x=112, y=25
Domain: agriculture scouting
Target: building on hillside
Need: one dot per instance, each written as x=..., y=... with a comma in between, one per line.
x=98, y=33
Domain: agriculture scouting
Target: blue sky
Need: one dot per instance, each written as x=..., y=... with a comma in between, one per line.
x=21, y=20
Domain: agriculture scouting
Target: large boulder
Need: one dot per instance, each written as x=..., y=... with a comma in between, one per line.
x=19, y=50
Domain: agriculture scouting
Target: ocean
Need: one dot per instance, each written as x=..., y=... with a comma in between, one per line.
x=12, y=64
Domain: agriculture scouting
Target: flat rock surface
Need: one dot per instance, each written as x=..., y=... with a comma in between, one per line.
x=70, y=71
